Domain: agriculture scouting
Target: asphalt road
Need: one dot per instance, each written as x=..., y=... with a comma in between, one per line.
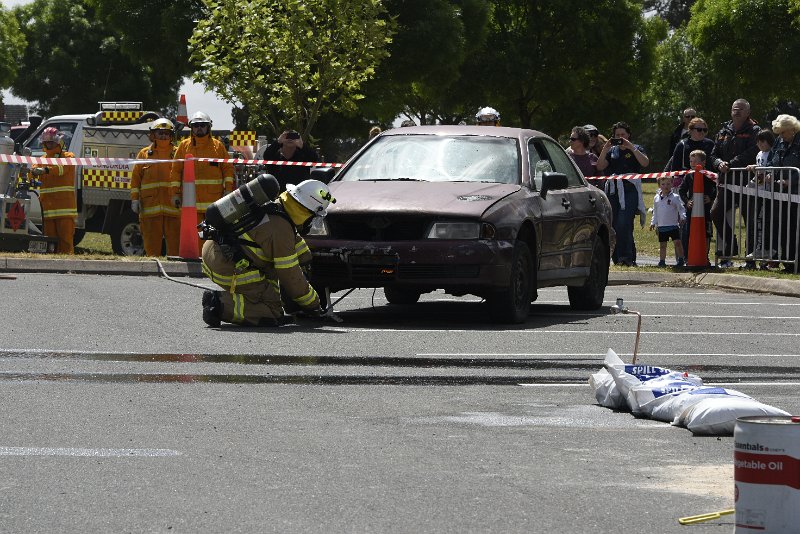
x=122, y=412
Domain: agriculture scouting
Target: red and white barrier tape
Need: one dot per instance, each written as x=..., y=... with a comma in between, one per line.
x=104, y=162
x=632, y=176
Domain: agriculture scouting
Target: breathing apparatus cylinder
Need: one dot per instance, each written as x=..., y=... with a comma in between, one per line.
x=239, y=211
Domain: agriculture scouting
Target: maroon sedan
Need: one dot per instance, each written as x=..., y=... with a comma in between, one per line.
x=490, y=211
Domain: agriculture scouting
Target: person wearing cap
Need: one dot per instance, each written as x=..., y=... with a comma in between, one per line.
x=289, y=147
x=487, y=117
x=596, y=139
x=213, y=179
x=57, y=192
x=152, y=191
x=266, y=261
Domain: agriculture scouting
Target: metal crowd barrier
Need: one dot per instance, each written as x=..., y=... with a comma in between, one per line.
x=761, y=213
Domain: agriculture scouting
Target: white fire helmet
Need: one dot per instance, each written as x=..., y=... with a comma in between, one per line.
x=161, y=124
x=487, y=114
x=312, y=195
x=200, y=117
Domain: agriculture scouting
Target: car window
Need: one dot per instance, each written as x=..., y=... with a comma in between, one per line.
x=562, y=162
x=67, y=129
x=438, y=158
x=537, y=163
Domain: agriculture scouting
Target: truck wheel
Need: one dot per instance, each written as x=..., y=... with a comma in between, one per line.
x=401, y=296
x=126, y=237
x=590, y=295
x=513, y=304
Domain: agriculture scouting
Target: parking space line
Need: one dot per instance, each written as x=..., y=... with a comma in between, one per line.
x=94, y=453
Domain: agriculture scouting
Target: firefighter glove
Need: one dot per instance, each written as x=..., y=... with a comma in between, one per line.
x=135, y=206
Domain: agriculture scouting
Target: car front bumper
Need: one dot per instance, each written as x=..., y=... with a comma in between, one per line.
x=462, y=266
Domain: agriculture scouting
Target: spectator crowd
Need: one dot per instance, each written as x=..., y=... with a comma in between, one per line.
x=747, y=160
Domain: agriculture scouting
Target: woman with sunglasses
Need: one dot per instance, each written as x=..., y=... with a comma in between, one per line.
x=579, y=151
x=697, y=140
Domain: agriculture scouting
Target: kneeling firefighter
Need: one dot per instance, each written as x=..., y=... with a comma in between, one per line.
x=254, y=250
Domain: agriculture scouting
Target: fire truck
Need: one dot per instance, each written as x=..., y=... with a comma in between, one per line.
x=117, y=130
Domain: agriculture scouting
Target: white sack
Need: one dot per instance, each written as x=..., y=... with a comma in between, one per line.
x=676, y=404
x=647, y=396
x=605, y=389
x=716, y=416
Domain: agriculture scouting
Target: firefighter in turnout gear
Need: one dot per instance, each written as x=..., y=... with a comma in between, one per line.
x=57, y=192
x=212, y=179
x=152, y=192
x=258, y=264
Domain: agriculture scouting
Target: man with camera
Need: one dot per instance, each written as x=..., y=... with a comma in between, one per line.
x=620, y=156
x=288, y=147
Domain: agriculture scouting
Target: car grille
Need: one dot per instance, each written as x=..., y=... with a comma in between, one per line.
x=377, y=228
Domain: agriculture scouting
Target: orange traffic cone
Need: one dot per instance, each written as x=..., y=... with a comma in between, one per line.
x=190, y=246
x=183, y=115
x=698, y=252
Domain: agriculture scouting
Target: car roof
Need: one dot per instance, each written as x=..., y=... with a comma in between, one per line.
x=439, y=129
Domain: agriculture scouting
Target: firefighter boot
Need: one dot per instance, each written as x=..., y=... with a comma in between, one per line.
x=212, y=309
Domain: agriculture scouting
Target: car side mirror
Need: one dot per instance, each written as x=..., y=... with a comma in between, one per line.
x=323, y=174
x=553, y=180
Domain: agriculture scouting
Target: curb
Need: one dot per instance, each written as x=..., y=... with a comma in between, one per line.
x=130, y=268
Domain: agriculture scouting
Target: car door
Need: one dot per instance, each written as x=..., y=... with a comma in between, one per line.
x=556, y=224
x=583, y=205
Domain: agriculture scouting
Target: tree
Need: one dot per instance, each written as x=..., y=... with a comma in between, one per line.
x=73, y=60
x=751, y=50
x=153, y=32
x=675, y=12
x=553, y=64
x=12, y=43
x=289, y=61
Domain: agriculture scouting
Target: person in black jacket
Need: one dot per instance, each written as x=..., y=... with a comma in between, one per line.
x=288, y=147
x=786, y=153
x=682, y=130
x=735, y=147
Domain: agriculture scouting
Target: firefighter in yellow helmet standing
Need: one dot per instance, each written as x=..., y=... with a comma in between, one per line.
x=57, y=192
x=152, y=191
x=257, y=265
x=212, y=179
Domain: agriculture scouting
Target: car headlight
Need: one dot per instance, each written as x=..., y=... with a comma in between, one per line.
x=455, y=230
x=319, y=227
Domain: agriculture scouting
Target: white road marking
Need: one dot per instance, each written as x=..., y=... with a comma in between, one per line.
x=602, y=355
x=542, y=331
x=94, y=453
x=714, y=384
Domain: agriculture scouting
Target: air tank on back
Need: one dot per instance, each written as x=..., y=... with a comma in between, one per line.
x=237, y=211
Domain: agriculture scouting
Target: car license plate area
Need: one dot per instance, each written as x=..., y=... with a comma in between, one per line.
x=39, y=247
x=372, y=267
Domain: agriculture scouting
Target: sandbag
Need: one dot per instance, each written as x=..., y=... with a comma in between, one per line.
x=716, y=416
x=605, y=389
x=673, y=406
x=648, y=396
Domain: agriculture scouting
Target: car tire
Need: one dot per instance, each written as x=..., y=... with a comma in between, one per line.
x=401, y=296
x=513, y=304
x=126, y=237
x=590, y=295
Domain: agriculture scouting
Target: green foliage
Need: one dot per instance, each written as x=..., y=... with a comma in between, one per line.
x=549, y=65
x=12, y=43
x=153, y=32
x=675, y=12
x=288, y=61
x=73, y=60
x=751, y=50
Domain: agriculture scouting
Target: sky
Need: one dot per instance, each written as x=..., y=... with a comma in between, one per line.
x=197, y=99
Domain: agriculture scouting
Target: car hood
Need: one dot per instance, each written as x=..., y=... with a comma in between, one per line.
x=454, y=199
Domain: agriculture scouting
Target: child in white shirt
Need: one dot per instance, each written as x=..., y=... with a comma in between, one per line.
x=668, y=216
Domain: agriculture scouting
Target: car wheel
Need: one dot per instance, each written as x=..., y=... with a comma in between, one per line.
x=401, y=296
x=513, y=304
x=590, y=295
x=126, y=237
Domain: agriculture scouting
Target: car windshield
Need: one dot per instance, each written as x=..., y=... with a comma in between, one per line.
x=438, y=158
